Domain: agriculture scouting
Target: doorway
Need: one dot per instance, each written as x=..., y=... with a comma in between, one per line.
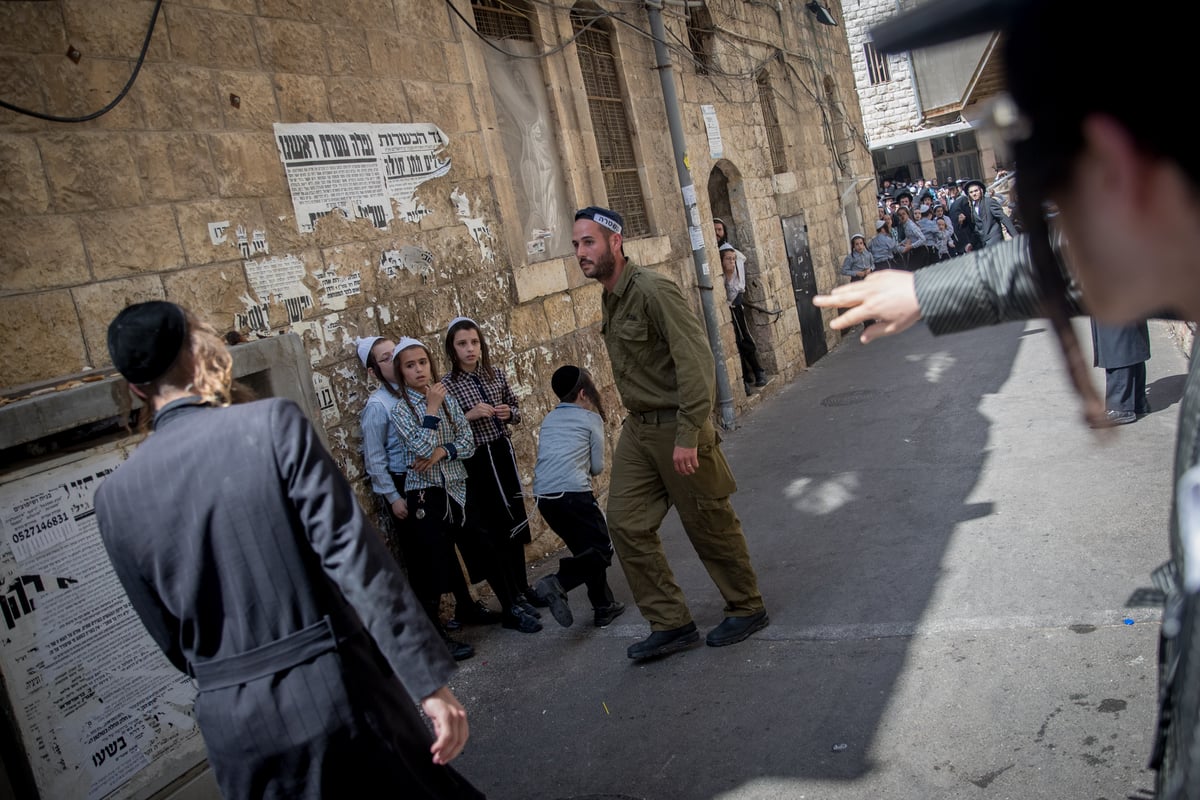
x=804, y=286
x=727, y=200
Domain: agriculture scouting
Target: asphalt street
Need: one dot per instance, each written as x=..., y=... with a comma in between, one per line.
x=948, y=556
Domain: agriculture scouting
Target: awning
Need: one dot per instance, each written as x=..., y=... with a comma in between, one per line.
x=924, y=133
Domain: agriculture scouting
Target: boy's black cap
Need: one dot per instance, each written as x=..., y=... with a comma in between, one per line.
x=564, y=380
x=145, y=339
x=942, y=21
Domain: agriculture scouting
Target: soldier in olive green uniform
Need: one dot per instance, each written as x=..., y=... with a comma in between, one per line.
x=669, y=453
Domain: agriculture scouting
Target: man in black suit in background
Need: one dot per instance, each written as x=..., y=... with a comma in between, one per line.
x=990, y=220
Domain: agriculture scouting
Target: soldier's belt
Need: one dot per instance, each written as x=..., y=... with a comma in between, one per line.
x=656, y=417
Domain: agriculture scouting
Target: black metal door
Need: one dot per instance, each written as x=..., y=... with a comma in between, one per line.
x=804, y=286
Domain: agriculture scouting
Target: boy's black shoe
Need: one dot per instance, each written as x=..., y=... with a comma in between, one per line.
x=459, y=651
x=476, y=614
x=551, y=591
x=517, y=620
x=606, y=614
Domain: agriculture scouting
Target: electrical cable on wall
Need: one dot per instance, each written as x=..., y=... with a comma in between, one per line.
x=137, y=67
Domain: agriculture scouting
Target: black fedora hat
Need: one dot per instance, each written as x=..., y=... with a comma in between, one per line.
x=966, y=185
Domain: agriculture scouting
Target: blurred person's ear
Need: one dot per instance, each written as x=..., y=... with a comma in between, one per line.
x=1145, y=189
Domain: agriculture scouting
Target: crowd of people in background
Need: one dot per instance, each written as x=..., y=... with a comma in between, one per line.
x=923, y=223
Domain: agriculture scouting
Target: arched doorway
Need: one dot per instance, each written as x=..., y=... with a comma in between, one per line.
x=727, y=199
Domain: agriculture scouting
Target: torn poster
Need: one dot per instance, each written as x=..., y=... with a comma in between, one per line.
x=480, y=231
x=280, y=279
x=98, y=709
x=251, y=244
x=409, y=257
x=256, y=317
x=216, y=232
x=357, y=169
x=712, y=126
x=336, y=288
x=329, y=410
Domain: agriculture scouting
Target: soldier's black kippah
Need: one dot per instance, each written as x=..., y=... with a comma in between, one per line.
x=145, y=339
x=602, y=216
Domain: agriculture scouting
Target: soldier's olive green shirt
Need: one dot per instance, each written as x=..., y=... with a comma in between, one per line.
x=659, y=351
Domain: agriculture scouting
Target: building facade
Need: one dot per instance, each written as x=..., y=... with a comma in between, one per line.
x=196, y=186
x=918, y=108
x=305, y=172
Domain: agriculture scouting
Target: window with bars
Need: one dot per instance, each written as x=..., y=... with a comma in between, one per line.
x=700, y=34
x=526, y=126
x=502, y=19
x=610, y=124
x=766, y=99
x=877, y=65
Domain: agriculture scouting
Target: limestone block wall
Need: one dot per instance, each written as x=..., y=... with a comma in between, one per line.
x=148, y=200
x=889, y=108
x=800, y=57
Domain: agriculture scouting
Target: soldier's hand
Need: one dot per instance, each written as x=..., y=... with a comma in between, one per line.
x=686, y=460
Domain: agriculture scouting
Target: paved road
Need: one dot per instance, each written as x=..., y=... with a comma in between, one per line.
x=947, y=555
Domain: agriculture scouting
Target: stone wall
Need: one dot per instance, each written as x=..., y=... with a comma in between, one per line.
x=119, y=209
x=888, y=108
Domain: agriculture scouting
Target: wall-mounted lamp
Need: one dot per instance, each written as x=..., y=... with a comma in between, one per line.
x=821, y=12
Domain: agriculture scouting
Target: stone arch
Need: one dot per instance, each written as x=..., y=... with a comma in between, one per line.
x=727, y=200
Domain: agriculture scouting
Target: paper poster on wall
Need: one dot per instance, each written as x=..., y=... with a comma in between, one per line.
x=217, y=232
x=325, y=400
x=415, y=259
x=280, y=279
x=716, y=148
x=97, y=705
x=357, y=169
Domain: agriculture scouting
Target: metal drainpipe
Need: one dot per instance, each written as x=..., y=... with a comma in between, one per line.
x=703, y=276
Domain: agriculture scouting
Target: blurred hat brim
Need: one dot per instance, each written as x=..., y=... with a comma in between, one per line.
x=942, y=21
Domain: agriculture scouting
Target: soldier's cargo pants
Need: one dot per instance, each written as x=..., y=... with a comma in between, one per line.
x=643, y=488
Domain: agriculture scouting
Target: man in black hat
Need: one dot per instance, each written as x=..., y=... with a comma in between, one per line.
x=962, y=217
x=250, y=563
x=1127, y=188
x=669, y=454
x=990, y=220
x=903, y=200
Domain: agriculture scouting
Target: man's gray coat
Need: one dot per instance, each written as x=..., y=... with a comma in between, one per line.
x=244, y=552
